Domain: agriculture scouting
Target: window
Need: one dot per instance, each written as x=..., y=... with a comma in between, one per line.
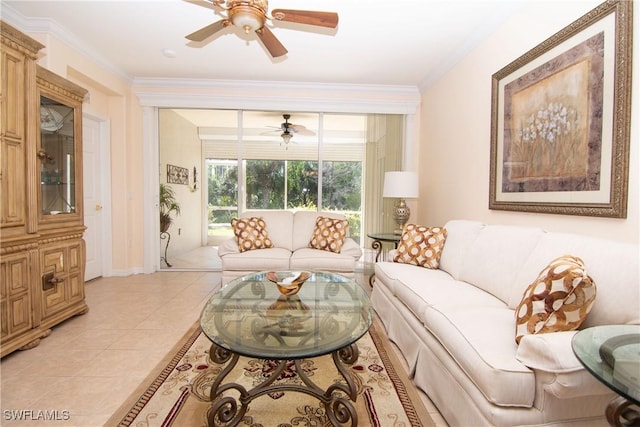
x=332, y=162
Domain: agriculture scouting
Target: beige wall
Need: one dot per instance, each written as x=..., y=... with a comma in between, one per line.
x=455, y=132
x=110, y=97
x=180, y=146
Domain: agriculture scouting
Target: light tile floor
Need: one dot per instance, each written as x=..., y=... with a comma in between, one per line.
x=90, y=364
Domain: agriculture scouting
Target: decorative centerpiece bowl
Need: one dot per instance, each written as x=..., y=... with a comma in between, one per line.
x=289, y=282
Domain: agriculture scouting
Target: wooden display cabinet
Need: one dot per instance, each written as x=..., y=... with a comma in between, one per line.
x=42, y=252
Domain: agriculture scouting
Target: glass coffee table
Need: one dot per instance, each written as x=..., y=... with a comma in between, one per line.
x=611, y=353
x=250, y=317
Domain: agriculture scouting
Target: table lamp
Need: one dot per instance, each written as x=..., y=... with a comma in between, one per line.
x=401, y=185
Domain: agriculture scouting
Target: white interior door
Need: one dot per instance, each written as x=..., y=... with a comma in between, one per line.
x=92, y=188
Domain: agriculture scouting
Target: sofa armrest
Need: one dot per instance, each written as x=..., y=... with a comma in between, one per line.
x=350, y=247
x=549, y=352
x=229, y=246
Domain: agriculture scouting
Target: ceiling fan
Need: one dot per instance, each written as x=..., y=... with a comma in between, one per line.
x=287, y=129
x=251, y=15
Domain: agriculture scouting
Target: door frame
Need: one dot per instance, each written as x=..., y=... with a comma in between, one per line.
x=104, y=125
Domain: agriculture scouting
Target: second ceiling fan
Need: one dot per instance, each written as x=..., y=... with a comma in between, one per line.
x=251, y=15
x=287, y=129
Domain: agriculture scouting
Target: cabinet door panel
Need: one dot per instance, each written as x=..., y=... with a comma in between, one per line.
x=16, y=295
x=75, y=257
x=54, y=295
x=75, y=287
x=19, y=313
x=13, y=66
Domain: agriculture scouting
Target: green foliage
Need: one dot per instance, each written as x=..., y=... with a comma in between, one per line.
x=168, y=205
x=341, y=188
x=265, y=188
x=265, y=184
x=302, y=185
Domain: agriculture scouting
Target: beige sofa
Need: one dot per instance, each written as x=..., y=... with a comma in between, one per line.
x=455, y=325
x=290, y=233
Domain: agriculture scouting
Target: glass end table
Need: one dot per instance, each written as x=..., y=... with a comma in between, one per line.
x=611, y=353
x=250, y=317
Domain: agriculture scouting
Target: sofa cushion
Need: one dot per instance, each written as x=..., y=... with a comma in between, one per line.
x=257, y=260
x=461, y=234
x=314, y=259
x=251, y=233
x=279, y=223
x=418, y=287
x=420, y=245
x=329, y=234
x=480, y=340
x=558, y=300
x=496, y=256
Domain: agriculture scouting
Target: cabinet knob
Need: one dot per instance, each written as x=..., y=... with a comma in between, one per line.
x=98, y=207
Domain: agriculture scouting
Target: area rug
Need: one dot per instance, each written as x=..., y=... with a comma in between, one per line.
x=177, y=391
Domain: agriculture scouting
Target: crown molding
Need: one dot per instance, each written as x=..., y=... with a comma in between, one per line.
x=51, y=28
x=269, y=95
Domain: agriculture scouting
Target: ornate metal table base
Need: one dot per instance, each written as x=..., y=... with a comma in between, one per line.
x=165, y=235
x=621, y=412
x=378, y=239
x=377, y=246
x=225, y=412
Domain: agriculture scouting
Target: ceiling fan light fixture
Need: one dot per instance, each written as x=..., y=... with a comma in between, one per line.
x=249, y=17
x=286, y=136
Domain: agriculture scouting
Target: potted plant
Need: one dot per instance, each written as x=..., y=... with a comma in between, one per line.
x=168, y=205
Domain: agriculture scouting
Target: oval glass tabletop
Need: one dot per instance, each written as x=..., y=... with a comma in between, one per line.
x=250, y=316
x=612, y=354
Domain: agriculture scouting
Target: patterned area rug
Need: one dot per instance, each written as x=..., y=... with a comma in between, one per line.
x=177, y=392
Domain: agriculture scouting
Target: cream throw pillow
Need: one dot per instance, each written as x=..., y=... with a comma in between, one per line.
x=421, y=245
x=251, y=233
x=558, y=300
x=329, y=234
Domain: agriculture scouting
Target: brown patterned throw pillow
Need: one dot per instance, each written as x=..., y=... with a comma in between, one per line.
x=251, y=233
x=558, y=300
x=421, y=245
x=329, y=234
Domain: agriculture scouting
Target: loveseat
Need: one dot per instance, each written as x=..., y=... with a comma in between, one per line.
x=290, y=234
x=455, y=324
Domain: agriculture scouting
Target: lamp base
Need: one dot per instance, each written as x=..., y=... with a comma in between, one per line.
x=401, y=213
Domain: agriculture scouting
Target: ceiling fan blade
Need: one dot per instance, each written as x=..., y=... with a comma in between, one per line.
x=205, y=32
x=270, y=41
x=202, y=3
x=301, y=130
x=309, y=17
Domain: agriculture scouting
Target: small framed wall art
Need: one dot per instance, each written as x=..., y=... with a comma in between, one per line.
x=177, y=175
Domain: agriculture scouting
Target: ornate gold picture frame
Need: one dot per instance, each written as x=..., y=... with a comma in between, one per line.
x=560, y=120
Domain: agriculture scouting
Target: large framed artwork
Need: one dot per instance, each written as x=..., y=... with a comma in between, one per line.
x=560, y=120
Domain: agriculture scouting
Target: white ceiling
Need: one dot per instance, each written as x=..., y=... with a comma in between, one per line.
x=392, y=42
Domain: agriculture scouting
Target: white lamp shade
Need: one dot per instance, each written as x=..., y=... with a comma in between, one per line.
x=399, y=184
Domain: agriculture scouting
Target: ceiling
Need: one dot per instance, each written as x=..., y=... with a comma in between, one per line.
x=398, y=42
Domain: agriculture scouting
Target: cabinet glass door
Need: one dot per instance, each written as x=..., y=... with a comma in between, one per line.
x=57, y=155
